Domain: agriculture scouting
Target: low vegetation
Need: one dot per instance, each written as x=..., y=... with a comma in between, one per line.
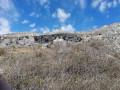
x=82, y=67
x=2, y=52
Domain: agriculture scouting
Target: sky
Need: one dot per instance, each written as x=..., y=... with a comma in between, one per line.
x=45, y=16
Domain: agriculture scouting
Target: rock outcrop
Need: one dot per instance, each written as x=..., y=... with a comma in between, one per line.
x=65, y=36
x=16, y=41
x=109, y=33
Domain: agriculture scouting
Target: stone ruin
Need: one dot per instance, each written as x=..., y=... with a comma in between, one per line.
x=50, y=38
x=35, y=40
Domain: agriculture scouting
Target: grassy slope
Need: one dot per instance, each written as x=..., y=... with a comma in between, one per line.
x=82, y=68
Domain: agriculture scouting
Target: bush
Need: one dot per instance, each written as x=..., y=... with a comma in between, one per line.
x=48, y=46
x=13, y=47
x=2, y=52
x=40, y=46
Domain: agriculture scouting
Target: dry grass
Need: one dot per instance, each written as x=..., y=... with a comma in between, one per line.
x=82, y=68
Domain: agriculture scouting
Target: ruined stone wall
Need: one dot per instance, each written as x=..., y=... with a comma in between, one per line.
x=50, y=38
x=6, y=41
x=16, y=41
x=33, y=40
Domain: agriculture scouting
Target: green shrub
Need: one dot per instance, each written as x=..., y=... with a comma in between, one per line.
x=13, y=47
x=48, y=46
x=40, y=46
x=17, y=42
x=19, y=47
x=2, y=52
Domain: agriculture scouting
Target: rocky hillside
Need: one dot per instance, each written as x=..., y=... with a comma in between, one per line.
x=88, y=60
x=108, y=30
x=109, y=33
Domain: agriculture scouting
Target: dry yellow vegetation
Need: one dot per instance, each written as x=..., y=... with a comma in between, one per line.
x=82, y=67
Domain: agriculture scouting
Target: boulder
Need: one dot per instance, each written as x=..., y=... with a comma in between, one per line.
x=6, y=41
x=44, y=46
x=60, y=42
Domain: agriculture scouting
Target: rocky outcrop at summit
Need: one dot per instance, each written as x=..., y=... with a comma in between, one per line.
x=7, y=41
x=109, y=33
x=16, y=41
x=50, y=38
x=108, y=29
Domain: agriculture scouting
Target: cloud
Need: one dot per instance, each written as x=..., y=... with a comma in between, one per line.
x=25, y=21
x=42, y=2
x=45, y=30
x=32, y=25
x=6, y=5
x=82, y=3
x=4, y=26
x=33, y=14
x=61, y=15
x=109, y=4
x=114, y=3
x=95, y=27
x=103, y=5
x=34, y=30
x=68, y=28
x=95, y=3
x=8, y=9
x=8, y=13
x=54, y=15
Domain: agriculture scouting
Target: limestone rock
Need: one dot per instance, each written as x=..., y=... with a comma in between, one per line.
x=44, y=46
x=59, y=42
x=106, y=33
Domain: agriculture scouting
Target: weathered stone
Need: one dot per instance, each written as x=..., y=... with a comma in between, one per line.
x=60, y=42
x=6, y=41
x=51, y=38
x=106, y=33
x=44, y=46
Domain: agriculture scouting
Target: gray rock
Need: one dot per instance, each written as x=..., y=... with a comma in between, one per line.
x=3, y=45
x=21, y=42
x=60, y=42
x=44, y=46
x=6, y=41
